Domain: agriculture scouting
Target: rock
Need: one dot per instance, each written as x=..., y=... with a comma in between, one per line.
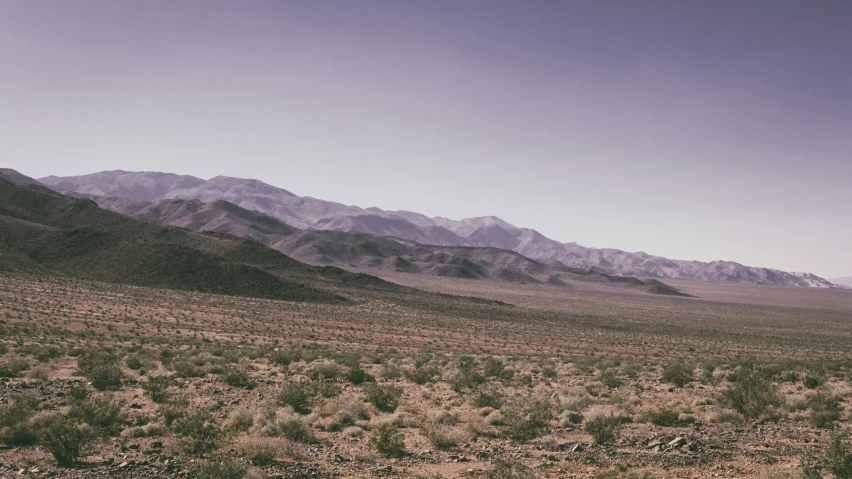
x=577, y=448
x=676, y=442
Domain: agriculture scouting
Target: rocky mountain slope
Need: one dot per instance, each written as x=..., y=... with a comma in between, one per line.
x=311, y=213
x=845, y=281
x=44, y=232
x=368, y=251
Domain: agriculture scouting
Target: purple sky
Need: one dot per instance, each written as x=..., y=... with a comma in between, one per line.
x=694, y=130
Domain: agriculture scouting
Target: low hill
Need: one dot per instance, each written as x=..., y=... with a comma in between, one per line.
x=367, y=251
x=46, y=232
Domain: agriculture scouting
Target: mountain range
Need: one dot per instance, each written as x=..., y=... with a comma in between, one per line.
x=845, y=281
x=166, y=197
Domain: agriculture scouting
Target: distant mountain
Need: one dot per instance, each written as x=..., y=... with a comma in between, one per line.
x=44, y=232
x=141, y=186
x=310, y=213
x=368, y=251
x=845, y=281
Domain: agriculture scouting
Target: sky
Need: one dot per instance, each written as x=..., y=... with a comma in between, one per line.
x=693, y=130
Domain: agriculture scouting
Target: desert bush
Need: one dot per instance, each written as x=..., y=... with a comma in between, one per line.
x=421, y=375
x=326, y=389
x=837, y=457
x=101, y=367
x=219, y=469
x=199, y=434
x=186, y=369
x=133, y=362
x=825, y=410
x=678, y=373
x=604, y=429
x=174, y=409
x=39, y=373
x=295, y=395
x=387, y=441
x=488, y=397
x=623, y=473
x=384, y=396
x=259, y=451
x=810, y=466
x=812, y=382
x=13, y=368
x=324, y=371
x=237, y=376
x=506, y=469
x=15, y=429
x=724, y=416
x=156, y=388
x=148, y=430
x=526, y=417
x=440, y=430
x=101, y=413
x=342, y=411
x=283, y=357
x=290, y=425
x=610, y=378
x=356, y=376
x=65, y=439
x=751, y=395
x=664, y=417
x=240, y=420
x=466, y=377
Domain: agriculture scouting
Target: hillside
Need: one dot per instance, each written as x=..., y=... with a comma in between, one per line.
x=489, y=231
x=365, y=251
x=50, y=233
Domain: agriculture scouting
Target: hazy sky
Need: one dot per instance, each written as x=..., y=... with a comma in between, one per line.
x=690, y=129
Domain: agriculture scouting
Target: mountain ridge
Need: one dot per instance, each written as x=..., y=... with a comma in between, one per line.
x=304, y=212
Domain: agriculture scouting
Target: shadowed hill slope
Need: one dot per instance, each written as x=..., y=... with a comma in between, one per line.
x=51, y=233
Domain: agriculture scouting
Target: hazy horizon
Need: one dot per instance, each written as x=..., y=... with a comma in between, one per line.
x=702, y=130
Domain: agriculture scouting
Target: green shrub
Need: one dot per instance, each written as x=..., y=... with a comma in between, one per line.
x=326, y=389
x=295, y=395
x=237, y=376
x=664, y=417
x=156, y=388
x=324, y=371
x=101, y=368
x=387, y=441
x=356, y=376
x=812, y=382
x=174, y=409
x=488, y=397
x=15, y=429
x=837, y=457
x=284, y=357
x=198, y=433
x=101, y=413
x=526, y=417
x=421, y=375
x=826, y=410
x=293, y=429
x=467, y=377
x=66, y=440
x=610, y=378
x=604, y=429
x=678, y=373
x=385, y=397
x=13, y=368
x=751, y=395
x=133, y=362
x=811, y=466
x=219, y=469
x=506, y=469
